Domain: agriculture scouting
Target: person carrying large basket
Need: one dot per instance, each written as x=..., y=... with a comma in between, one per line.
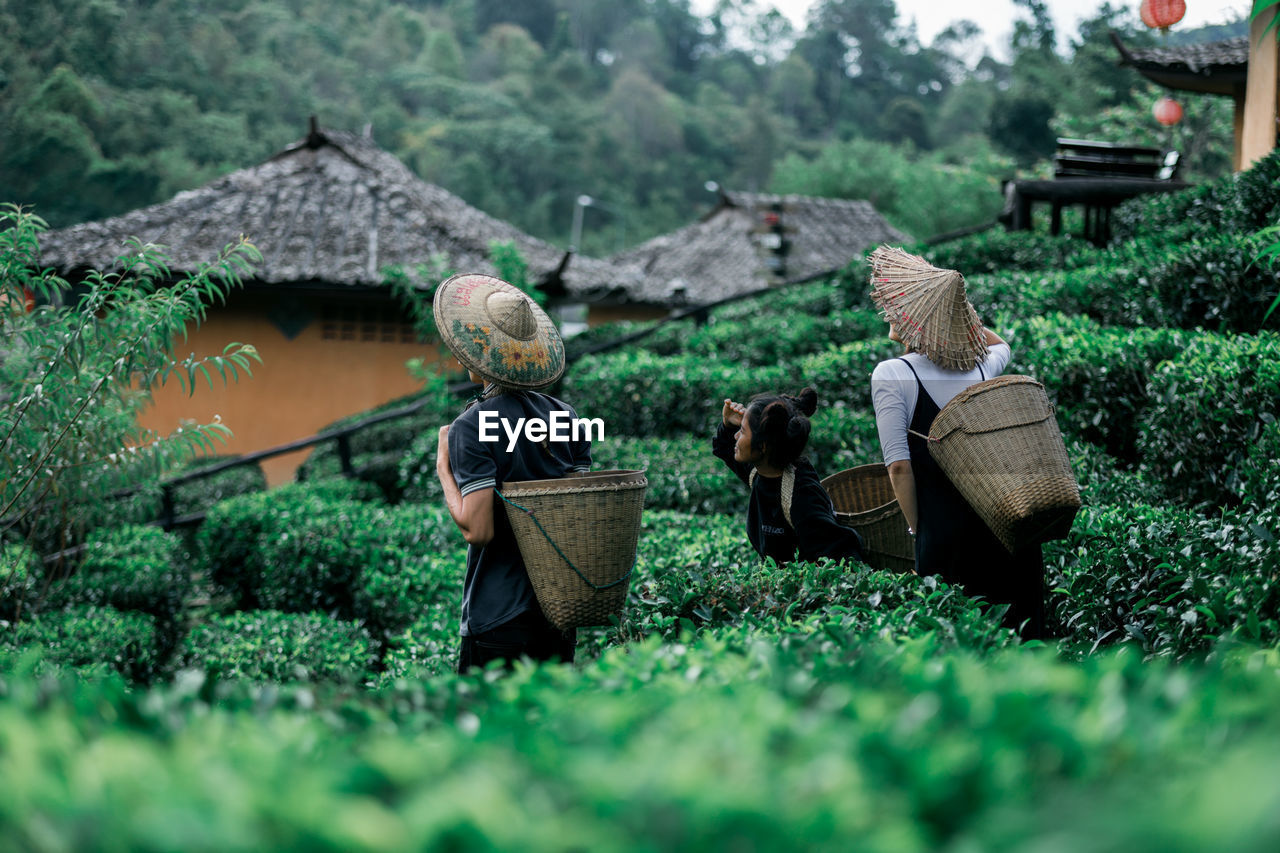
x=510, y=346
x=947, y=350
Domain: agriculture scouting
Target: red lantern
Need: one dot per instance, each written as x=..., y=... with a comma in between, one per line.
x=1162, y=14
x=1167, y=111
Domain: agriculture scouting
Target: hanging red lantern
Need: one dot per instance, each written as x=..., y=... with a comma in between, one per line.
x=1167, y=111
x=1162, y=14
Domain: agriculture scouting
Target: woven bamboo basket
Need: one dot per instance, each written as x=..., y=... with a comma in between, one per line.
x=578, y=538
x=998, y=442
x=864, y=500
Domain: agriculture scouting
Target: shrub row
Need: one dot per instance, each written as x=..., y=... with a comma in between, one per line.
x=802, y=738
x=1098, y=376
x=227, y=542
x=265, y=645
x=641, y=394
x=307, y=551
x=999, y=250
x=1235, y=204
x=1209, y=407
x=1166, y=579
x=1209, y=282
x=89, y=640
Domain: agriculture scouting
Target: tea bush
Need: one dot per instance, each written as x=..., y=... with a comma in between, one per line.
x=1004, y=251
x=1208, y=282
x=841, y=437
x=796, y=739
x=20, y=573
x=265, y=645
x=90, y=638
x=681, y=471
x=1241, y=203
x=1104, y=480
x=769, y=338
x=228, y=542
x=132, y=568
x=1209, y=407
x=641, y=394
x=135, y=568
x=1168, y=580
x=1097, y=375
x=842, y=375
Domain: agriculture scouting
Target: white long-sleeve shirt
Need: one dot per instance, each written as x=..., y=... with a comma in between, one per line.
x=894, y=393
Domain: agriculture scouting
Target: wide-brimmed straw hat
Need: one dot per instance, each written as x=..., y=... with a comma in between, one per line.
x=929, y=308
x=497, y=331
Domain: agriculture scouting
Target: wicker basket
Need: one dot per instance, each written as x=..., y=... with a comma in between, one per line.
x=864, y=500
x=998, y=442
x=578, y=538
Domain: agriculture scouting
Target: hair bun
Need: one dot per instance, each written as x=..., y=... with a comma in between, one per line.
x=807, y=401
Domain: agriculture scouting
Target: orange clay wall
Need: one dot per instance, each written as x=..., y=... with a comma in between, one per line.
x=303, y=384
x=339, y=364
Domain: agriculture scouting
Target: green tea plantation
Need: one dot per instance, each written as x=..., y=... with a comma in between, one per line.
x=281, y=678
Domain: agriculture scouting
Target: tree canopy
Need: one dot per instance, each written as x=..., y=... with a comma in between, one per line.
x=108, y=105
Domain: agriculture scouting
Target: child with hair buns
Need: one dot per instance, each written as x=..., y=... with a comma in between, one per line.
x=789, y=515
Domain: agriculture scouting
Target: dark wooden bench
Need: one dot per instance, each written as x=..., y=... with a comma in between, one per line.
x=1096, y=175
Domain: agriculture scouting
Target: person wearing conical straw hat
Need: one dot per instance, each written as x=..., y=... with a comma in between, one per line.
x=510, y=347
x=947, y=350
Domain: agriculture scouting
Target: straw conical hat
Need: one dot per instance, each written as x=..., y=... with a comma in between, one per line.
x=497, y=331
x=929, y=308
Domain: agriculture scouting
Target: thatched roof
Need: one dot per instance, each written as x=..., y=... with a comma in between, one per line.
x=726, y=253
x=332, y=210
x=1216, y=67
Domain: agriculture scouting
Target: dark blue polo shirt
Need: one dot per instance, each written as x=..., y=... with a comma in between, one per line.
x=497, y=587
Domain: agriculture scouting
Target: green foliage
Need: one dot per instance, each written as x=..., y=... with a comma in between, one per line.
x=264, y=645
x=132, y=568
x=713, y=579
x=20, y=572
x=1097, y=375
x=91, y=639
x=1104, y=481
x=1269, y=255
x=78, y=368
x=1210, y=406
x=1199, y=282
x=640, y=394
x=1168, y=580
x=878, y=745
x=1000, y=250
x=195, y=495
x=681, y=471
x=770, y=338
x=923, y=195
x=843, y=375
x=1238, y=204
x=512, y=268
x=229, y=543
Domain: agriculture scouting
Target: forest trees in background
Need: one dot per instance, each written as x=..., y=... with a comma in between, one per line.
x=109, y=105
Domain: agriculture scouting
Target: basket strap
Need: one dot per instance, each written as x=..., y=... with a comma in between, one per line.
x=788, y=490
x=595, y=586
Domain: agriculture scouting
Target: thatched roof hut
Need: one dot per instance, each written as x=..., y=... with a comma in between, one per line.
x=750, y=241
x=330, y=210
